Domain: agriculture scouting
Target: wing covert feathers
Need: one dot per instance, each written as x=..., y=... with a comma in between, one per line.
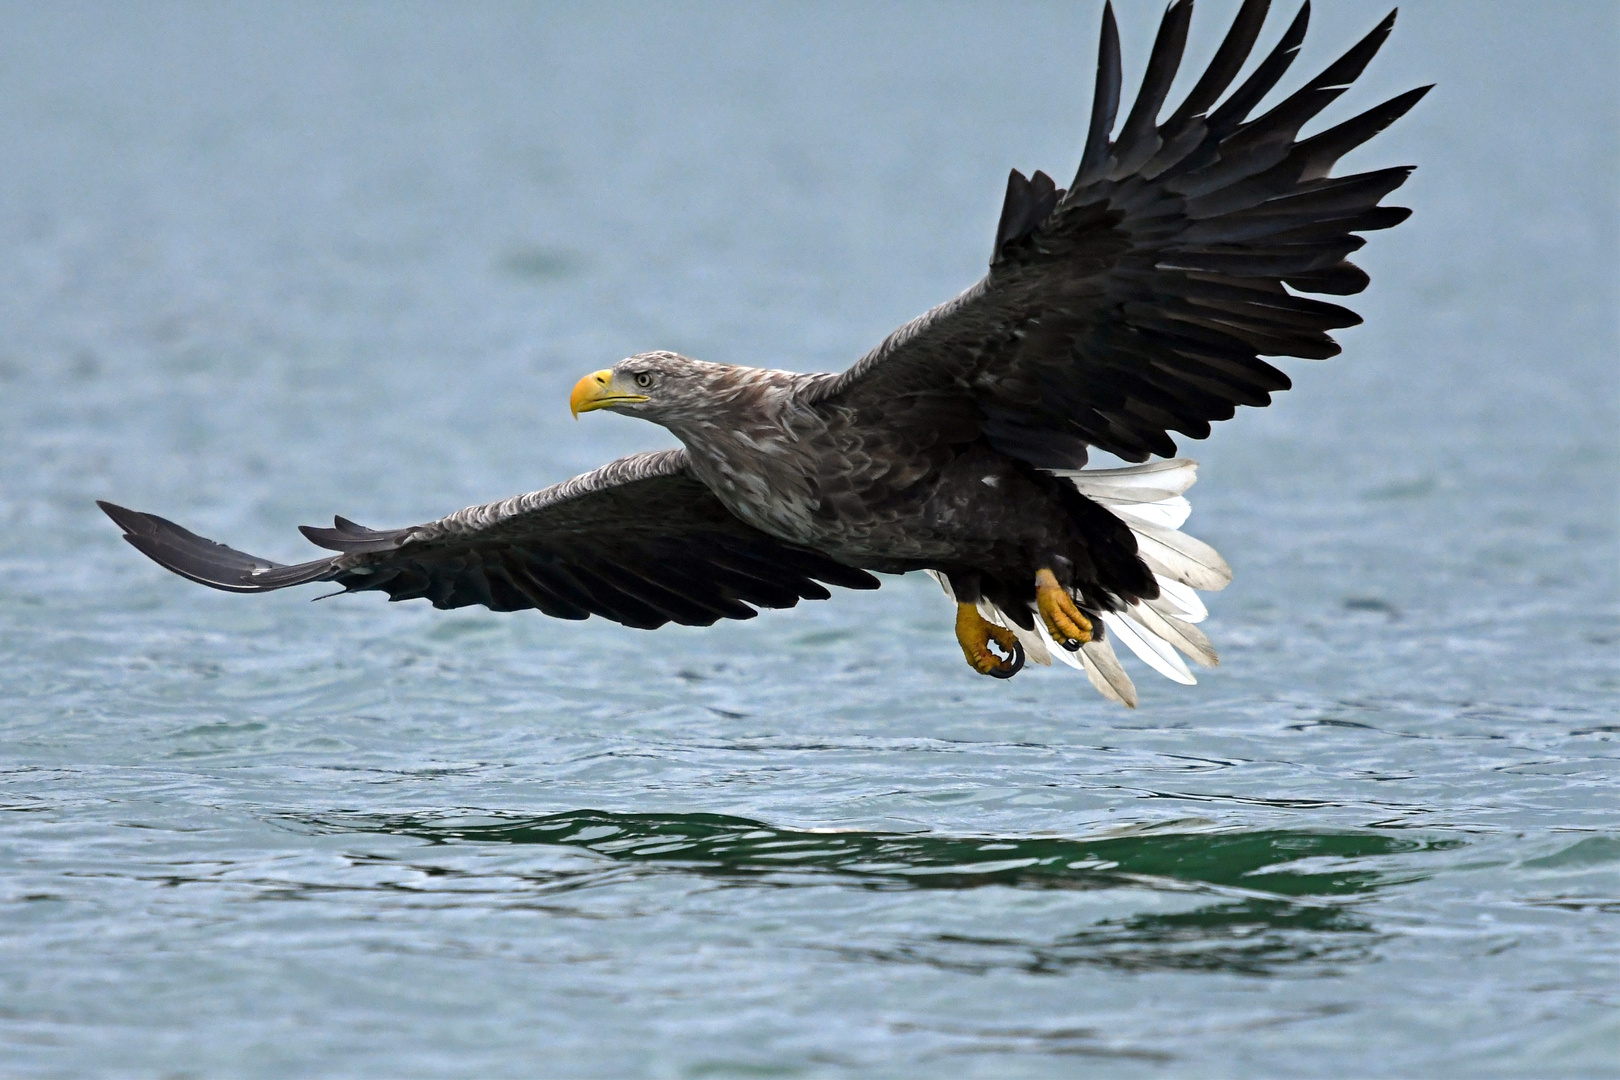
x=640, y=541
x=1140, y=301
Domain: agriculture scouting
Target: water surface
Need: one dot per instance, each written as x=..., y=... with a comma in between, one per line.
x=267, y=264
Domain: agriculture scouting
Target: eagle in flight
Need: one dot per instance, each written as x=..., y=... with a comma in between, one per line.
x=1136, y=302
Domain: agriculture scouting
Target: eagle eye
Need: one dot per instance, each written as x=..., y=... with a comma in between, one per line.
x=643, y=379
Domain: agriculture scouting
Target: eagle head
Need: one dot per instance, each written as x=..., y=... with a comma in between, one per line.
x=663, y=387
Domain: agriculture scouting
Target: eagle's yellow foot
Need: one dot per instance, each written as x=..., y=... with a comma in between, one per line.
x=1064, y=622
x=974, y=633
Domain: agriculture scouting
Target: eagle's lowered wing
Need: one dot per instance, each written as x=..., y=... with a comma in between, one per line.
x=640, y=541
x=1140, y=301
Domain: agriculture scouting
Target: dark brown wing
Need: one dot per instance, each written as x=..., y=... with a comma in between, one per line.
x=640, y=541
x=1140, y=301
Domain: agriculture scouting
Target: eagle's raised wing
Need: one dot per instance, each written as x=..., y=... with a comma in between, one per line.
x=1140, y=301
x=640, y=541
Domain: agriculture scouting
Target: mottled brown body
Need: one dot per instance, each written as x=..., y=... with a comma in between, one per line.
x=910, y=485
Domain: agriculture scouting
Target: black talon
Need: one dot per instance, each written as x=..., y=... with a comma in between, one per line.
x=1013, y=665
x=1072, y=644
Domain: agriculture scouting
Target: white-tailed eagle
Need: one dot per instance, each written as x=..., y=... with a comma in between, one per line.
x=1136, y=302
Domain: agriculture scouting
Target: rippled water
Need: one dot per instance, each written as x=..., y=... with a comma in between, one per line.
x=266, y=264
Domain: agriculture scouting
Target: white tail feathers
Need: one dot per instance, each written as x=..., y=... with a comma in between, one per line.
x=1178, y=601
x=1102, y=668
x=1154, y=482
x=1177, y=556
x=1172, y=630
x=1148, y=499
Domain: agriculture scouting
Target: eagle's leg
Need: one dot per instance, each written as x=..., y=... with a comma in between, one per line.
x=975, y=633
x=1068, y=627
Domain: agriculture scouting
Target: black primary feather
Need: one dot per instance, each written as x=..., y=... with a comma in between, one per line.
x=1104, y=102
x=1142, y=303
x=1139, y=138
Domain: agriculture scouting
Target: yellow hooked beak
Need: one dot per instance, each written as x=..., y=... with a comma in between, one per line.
x=597, y=391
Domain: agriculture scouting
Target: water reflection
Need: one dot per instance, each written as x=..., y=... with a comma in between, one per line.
x=1245, y=937
x=1273, y=861
x=1282, y=900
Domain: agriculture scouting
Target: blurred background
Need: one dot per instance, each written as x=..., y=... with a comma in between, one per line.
x=263, y=264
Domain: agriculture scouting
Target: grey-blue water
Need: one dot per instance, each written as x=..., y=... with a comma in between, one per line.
x=263, y=264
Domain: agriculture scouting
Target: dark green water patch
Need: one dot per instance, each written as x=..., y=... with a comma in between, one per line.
x=1259, y=937
x=1267, y=861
